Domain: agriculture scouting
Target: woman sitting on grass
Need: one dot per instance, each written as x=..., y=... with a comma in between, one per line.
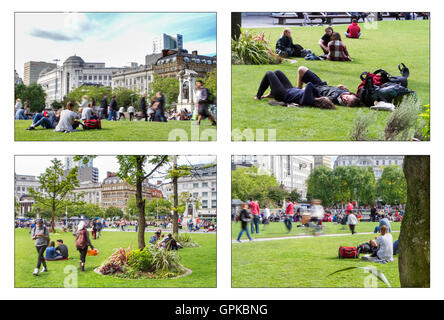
x=337, y=51
x=282, y=90
x=68, y=122
x=51, y=253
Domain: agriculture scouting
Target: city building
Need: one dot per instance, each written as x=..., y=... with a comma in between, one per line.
x=74, y=73
x=291, y=172
x=378, y=163
x=202, y=185
x=91, y=192
x=33, y=69
x=21, y=191
x=135, y=78
x=86, y=171
x=322, y=161
x=116, y=192
x=17, y=79
x=167, y=42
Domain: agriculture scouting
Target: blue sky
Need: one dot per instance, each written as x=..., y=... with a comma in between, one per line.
x=114, y=38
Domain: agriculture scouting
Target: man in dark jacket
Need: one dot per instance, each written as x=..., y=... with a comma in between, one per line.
x=286, y=48
x=244, y=218
x=142, y=104
x=104, y=107
x=114, y=108
x=338, y=95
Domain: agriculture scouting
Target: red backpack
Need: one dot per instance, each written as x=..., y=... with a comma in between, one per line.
x=348, y=252
x=81, y=240
x=92, y=124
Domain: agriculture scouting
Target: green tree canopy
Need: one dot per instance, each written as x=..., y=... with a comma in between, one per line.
x=33, y=93
x=76, y=94
x=392, y=186
x=168, y=86
x=112, y=212
x=159, y=206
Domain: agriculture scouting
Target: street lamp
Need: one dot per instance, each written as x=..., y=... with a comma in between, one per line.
x=55, y=91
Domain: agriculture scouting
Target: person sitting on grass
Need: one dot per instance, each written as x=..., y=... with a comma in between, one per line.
x=46, y=122
x=326, y=38
x=383, y=222
x=337, y=51
x=281, y=89
x=384, y=245
x=353, y=30
x=338, y=95
x=62, y=249
x=68, y=119
x=88, y=112
x=157, y=235
x=51, y=253
x=285, y=47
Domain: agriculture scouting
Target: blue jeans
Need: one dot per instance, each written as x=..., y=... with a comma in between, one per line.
x=378, y=229
x=255, y=224
x=40, y=120
x=112, y=115
x=242, y=232
x=159, y=116
x=288, y=223
x=348, y=35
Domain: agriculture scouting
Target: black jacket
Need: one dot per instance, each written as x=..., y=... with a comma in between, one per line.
x=113, y=105
x=104, y=103
x=284, y=43
x=142, y=105
x=330, y=92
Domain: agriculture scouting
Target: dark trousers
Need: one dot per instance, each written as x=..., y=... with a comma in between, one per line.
x=41, y=259
x=83, y=253
x=278, y=83
x=255, y=224
x=352, y=228
x=288, y=223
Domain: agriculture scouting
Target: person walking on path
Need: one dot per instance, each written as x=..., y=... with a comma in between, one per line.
x=41, y=236
x=143, y=106
x=113, y=109
x=104, y=107
x=202, y=97
x=352, y=221
x=82, y=243
x=254, y=208
x=244, y=218
x=289, y=212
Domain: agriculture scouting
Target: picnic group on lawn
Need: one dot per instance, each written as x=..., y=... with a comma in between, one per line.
x=377, y=90
x=380, y=249
x=89, y=115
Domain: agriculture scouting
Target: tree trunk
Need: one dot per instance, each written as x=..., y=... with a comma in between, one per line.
x=236, y=23
x=53, y=216
x=176, y=201
x=141, y=206
x=414, y=240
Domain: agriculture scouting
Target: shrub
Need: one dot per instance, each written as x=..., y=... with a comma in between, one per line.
x=140, y=260
x=359, y=129
x=401, y=124
x=425, y=116
x=186, y=241
x=115, y=262
x=165, y=261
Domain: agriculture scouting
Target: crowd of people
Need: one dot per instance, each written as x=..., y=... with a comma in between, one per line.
x=71, y=117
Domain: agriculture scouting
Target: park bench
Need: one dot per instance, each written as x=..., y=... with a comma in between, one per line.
x=309, y=18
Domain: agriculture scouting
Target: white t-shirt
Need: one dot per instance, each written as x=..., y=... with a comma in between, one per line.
x=385, y=244
x=266, y=213
x=131, y=109
x=121, y=110
x=87, y=113
x=66, y=120
x=352, y=219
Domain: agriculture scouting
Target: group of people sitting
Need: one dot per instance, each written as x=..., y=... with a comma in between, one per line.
x=56, y=253
x=316, y=93
x=330, y=43
x=169, y=243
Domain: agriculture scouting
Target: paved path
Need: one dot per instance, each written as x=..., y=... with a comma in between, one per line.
x=304, y=236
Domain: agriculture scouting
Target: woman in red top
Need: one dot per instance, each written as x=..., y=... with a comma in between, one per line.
x=353, y=30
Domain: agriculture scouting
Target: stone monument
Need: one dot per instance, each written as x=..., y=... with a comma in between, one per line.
x=187, y=90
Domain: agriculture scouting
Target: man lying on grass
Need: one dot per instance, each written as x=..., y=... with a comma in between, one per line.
x=338, y=95
x=282, y=90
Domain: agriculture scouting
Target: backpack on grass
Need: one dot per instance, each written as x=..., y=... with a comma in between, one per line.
x=365, y=248
x=348, y=252
x=92, y=124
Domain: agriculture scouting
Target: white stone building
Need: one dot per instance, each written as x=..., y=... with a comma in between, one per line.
x=378, y=163
x=291, y=172
x=92, y=192
x=21, y=191
x=137, y=78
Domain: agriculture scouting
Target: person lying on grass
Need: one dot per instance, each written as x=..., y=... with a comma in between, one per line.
x=281, y=89
x=338, y=95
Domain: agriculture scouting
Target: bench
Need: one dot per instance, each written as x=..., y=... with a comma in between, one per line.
x=309, y=18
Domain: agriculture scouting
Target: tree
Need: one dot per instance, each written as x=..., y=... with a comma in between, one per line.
x=33, y=93
x=210, y=82
x=277, y=194
x=236, y=23
x=320, y=185
x=56, y=187
x=159, y=206
x=97, y=93
x=126, y=96
x=414, y=239
x=168, y=86
x=392, y=187
x=132, y=170
x=295, y=196
x=112, y=212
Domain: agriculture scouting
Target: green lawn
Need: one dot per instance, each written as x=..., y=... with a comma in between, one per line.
x=304, y=262
x=122, y=131
x=278, y=229
x=385, y=47
x=201, y=260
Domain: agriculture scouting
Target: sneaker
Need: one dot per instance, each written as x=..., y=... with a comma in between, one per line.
x=30, y=128
x=36, y=272
x=44, y=269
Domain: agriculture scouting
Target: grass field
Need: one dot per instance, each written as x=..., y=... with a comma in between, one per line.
x=384, y=47
x=278, y=229
x=122, y=131
x=201, y=260
x=304, y=262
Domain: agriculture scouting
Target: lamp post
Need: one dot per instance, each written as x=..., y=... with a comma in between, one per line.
x=55, y=91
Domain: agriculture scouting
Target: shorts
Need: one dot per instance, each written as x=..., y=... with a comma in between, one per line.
x=203, y=110
x=312, y=77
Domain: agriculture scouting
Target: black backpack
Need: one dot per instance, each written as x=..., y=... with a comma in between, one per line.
x=210, y=96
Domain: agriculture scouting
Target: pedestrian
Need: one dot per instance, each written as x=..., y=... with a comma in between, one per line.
x=82, y=243
x=113, y=108
x=131, y=111
x=159, y=107
x=254, y=208
x=352, y=221
x=41, y=236
x=143, y=107
x=289, y=212
x=104, y=107
x=244, y=218
x=203, y=103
